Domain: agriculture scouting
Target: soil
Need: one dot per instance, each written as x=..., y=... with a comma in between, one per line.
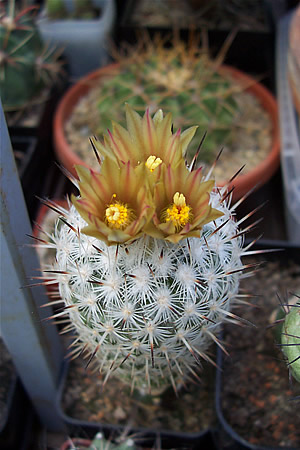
x=85, y=399
x=258, y=398
x=7, y=381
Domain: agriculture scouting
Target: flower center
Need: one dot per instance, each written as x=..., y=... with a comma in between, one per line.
x=152, y=162
x=178, y=212
x=118, y=215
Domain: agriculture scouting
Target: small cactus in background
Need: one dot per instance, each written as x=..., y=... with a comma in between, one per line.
x=100, y=443
x=27, y=65
x=55, y=9
x=290, y=338
x=182, y=79
x=148, y=257
x=79, y=9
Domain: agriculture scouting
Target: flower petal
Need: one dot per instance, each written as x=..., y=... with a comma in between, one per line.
x=186, y=138
x=149, y=135
x=134, y=125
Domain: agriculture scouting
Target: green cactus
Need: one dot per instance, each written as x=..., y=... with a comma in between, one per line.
x=290, y=339
x=26, y=64
x=181, y=79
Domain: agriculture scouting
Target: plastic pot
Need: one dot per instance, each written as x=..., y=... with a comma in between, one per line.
x=243, y=183
x=84, y=41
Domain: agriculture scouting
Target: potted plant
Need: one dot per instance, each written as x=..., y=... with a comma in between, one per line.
x=82, y=28
x=184, y=80
x=148, y=265
x=256, y=404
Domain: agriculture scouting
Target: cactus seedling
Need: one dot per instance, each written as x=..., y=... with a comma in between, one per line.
x=100, y=443
x=26, y=64
x=148, y=257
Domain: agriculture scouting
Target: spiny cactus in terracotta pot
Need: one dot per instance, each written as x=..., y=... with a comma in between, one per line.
x=26, y=63
x=182, y=79
x=148, y=257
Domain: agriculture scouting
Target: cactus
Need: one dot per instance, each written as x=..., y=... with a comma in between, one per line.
x=99, y=443
x=182, y=79
x=26, y=64
x=290, y=339
x=148, y=257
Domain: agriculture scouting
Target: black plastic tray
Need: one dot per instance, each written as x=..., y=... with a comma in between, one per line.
x=23, y=148
x=15, y=427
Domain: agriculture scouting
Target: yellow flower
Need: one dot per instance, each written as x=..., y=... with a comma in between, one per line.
x=182, y=204
x=144, y=185
x=115, y=203
x=148, y=141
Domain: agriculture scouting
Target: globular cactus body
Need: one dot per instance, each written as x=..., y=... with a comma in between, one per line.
x=148, y=258
x=159, y=305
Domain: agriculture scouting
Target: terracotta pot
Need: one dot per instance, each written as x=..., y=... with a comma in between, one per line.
x=64, y=151
x=243, y=183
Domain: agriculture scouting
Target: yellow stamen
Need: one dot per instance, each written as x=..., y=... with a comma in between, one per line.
x=118, y=215
x=179, y=200
x=152, y=162
x=179, y=212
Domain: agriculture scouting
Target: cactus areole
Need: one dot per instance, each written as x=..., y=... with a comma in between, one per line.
x=148, y=257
